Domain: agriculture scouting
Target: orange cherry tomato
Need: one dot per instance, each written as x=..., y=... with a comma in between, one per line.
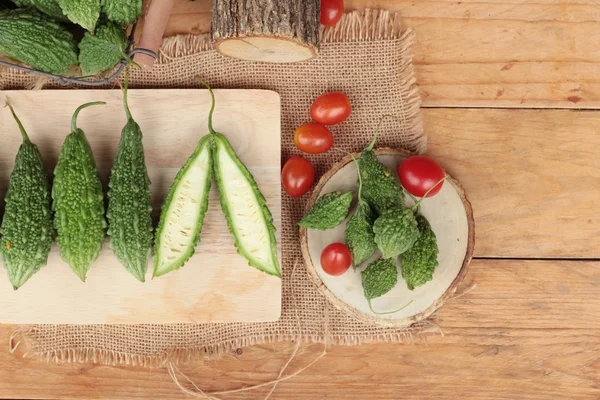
x=313, y=138
x=331, y=108
x=297, y=176
x=331, y=11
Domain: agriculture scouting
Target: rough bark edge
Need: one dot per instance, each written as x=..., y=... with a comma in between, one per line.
x=362, y=316
x=355, y=26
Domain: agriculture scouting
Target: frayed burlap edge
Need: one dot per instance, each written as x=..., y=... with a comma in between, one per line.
x=368, y=25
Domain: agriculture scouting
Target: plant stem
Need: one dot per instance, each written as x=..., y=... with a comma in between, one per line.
x=388, y=312
x=212, y=107
x=23, y=132
x=427, y=192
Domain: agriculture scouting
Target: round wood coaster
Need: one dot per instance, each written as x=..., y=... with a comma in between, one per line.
x=451, y=218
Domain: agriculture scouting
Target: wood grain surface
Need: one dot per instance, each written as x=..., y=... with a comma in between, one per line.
x=528, y=329
x=482, y=53
x=199, y=292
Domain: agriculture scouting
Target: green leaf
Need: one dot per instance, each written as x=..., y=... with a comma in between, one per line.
x=123, y=12
x=82, y=12
x=381, y=190
x=360, y=238
x=395, y=231
x=328, y=211
x=379, y=278
x=420, y=261
x=102, y=51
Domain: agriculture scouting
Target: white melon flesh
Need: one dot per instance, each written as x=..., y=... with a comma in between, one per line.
x=245, y=212
x=181, y=229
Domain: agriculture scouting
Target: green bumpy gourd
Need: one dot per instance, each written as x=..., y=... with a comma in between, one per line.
x=381, y=190
x=35, y=39
x=328, y=211
x=123, y=12
x=102, y=50
x=420, y=261
x=48, y=7
x=129, y=210
x=82, y=12
x=27, y=223
x=78, y=201
x=395, y=231
x=379, y=278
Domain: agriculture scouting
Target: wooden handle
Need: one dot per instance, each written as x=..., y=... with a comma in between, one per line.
x=155, y=23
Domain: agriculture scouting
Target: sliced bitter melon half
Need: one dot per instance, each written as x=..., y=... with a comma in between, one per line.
x=183, y=213
x=244, y=206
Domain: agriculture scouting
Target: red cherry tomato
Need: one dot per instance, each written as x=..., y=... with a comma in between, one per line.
x=313, y=138
x=297, y=176
x=331, y=11
x=331, y=108
x=418, y=174
x=336, y=259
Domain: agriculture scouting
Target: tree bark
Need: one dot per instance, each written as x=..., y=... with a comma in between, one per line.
x=266, y=30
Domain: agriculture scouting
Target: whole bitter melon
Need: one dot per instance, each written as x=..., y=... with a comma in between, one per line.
x=123, y=12
x=129, y=210
x=78, y=201
x=27, y=223
x=48, y=7
x=33, y=38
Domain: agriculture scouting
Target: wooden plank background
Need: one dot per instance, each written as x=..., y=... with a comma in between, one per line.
x=530, y=329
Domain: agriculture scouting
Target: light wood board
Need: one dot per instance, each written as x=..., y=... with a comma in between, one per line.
x=216, y=285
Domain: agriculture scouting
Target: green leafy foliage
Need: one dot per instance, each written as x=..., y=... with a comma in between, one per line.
x=27, y=223
x=359, y=235
x=381, y=190
x=395, y=231
x=82, y=12
x=103, y=50
x=420, y=261
x=328, y=211
x=35, y=39
x=48, y=7
x=78, y=202
x=129, y=210
x=123, y=12
x=379, y=278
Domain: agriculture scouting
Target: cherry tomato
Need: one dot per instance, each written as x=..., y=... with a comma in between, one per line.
x=313, y=138
x=418, y=174
x=336, y=259
x=331, y=11
x=331, y=108
x=297, y=176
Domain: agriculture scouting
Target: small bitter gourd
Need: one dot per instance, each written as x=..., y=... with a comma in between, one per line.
x=395, y=231
x=129, y=210
x=48, y=7
x=33, y=38
x=359, y=229
x=182, y=215
x=102, y=50
x=419, y=262
x=78, y=201
x=123, y=12
x=381, y=189
x=328, y=211
x=82, y=12
x=27, y=223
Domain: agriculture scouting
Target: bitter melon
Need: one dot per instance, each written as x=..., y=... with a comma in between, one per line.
x=103, y=50
x=35, y=39
x=48, y=7
x=182, y=215
x=78, y=201
x=27, y=223
x=129, y=211
x=82, y=12
x=123, y=12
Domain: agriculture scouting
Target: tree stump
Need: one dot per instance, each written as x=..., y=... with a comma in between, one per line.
x=266, y=30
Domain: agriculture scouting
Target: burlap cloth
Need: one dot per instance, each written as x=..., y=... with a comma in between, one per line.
x=368, y=56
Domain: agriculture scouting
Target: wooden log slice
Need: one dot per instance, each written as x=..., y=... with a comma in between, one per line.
x=277, y=31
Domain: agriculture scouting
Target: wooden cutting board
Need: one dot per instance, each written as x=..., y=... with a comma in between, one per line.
x=216, y=285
